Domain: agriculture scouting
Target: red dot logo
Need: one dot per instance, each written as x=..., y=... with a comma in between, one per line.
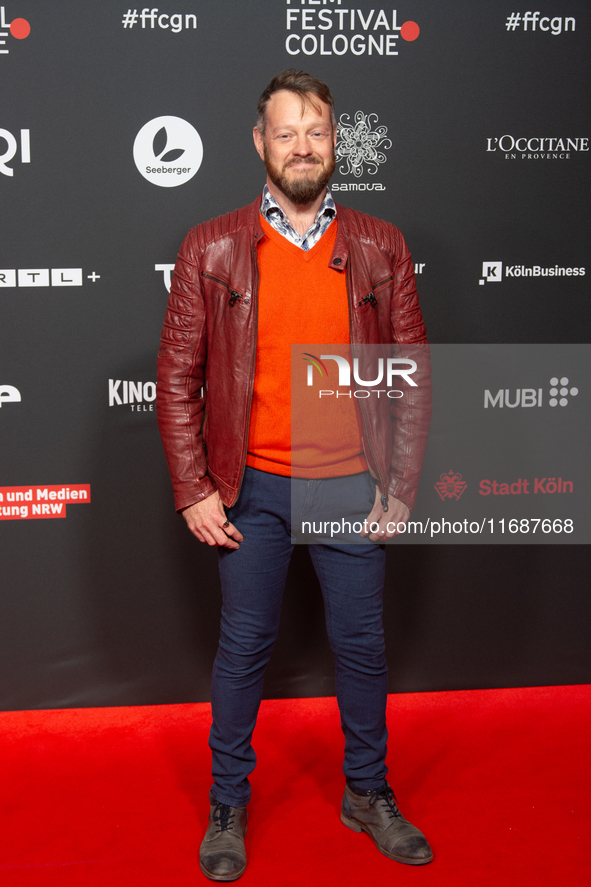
x=410, y=31
x=20, y=28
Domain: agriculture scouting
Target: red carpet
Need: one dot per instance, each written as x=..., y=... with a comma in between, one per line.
x=497, y=779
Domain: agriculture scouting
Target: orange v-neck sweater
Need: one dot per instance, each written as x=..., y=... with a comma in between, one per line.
x=301, y=301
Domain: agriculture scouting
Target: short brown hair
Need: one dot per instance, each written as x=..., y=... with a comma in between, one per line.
x=303, y=85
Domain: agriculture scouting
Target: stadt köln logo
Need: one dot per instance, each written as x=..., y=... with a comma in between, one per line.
x=450, y=485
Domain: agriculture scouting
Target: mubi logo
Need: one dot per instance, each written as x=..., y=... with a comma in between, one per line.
x=9, y=394
x=530, y=397
x=563, y=391
x=168, y=151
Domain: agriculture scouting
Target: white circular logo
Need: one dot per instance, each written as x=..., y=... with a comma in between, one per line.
x=168, y=151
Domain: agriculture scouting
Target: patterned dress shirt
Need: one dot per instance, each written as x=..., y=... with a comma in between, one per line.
x=277, y=218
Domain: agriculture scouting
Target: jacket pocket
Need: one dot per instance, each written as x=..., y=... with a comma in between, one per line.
x=371, y=299
x=233, y=295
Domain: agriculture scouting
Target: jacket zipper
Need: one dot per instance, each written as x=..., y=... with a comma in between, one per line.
x=384, y=496
x=370, y=297
x=234, y=296
x=255, y=293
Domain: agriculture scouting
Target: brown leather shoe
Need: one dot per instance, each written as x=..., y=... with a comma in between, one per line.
x=377, y=814
x=222, y=856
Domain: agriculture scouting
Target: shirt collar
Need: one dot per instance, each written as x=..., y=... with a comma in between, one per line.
x=269, y=206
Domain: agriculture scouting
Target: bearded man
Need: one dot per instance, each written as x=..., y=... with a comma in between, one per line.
x=291, y=267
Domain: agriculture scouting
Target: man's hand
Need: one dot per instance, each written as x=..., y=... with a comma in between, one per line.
x=206, y=520
x=398, y=513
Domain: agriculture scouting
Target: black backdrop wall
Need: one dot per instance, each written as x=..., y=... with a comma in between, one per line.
x=483, y=130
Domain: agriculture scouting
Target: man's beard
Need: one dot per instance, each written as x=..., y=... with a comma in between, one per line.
x=304, y=188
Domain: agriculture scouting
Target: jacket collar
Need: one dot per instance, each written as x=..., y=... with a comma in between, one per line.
x=340, y=253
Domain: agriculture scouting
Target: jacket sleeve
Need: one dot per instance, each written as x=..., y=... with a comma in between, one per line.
x=180, y=400
x=412, y=413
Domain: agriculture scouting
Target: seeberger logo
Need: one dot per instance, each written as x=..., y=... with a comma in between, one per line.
x=30, y=503
x=536, y=147
x=492, y=272
x=168, y=151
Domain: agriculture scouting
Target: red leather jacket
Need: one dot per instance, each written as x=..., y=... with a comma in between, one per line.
x=206, y=361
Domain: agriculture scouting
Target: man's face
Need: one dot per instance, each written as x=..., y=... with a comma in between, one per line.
x=297, y=148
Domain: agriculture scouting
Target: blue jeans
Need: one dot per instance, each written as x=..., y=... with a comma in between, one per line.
x=253, y=578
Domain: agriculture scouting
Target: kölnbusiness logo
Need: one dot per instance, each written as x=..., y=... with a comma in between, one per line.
x=168, y=151
x=492, y=272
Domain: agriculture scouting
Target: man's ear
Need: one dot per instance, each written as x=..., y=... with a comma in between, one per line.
x=258, y=142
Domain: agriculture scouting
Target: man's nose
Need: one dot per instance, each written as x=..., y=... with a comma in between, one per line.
x=303, y=146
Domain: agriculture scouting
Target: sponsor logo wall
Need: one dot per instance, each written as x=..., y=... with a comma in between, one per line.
x=122, y=128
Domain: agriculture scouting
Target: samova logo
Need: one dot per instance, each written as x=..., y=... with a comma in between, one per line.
x=358, y=143
x=395, y=366
x=168, y=151
x=9, y=394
